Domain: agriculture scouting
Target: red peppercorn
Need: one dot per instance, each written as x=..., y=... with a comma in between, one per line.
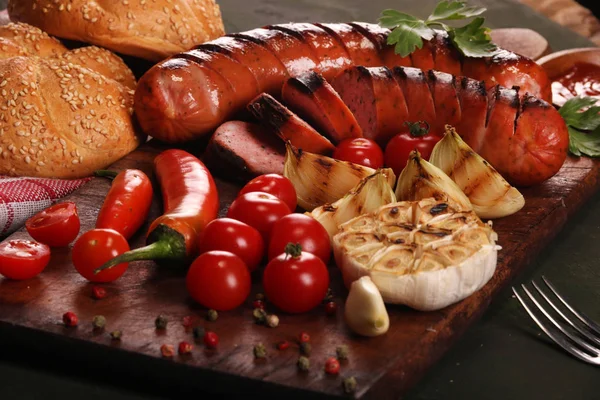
x=258, y=304
x=211, y=340
x=70, y=319
x=332, y=366
x=185, y=348
x=187, y=321
x=304, y=337
x=98, y=292
x=167, y=350
x=330, y=308
x=284, y=344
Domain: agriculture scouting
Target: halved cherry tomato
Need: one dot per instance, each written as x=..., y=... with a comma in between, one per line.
x=302, y=229
x=219, y=280
x=231, y=235
x=360, y=151
x=275, y=184
x=23, y=259
x=56, y=226
x=259, y=210
x=94, y=248
x=296, y=281
x=414, y=136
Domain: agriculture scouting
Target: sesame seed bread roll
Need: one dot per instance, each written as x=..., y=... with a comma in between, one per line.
x=17, y=39
x=61, y=120
x=149, y=29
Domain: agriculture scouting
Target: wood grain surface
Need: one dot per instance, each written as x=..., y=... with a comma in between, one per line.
x=384, y=367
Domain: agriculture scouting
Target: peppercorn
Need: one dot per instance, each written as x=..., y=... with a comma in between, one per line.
x=259, y=315
x=305, y=348
x=332, y=366
x=70, y=319
x=186, y=322
x=167, y=350
x=342, y=352
x=161, y=322
x=115, y=335
x=198, y=332
x=304, y=337
x=349, y=385
x=184, y=348
x=303, y=364
x=211, y=340
x=99, y=322
x=258, y=304
x=259, y=296
x=272, y=321
x=260, y=351
x=330, y=308
x=212, y=315
x=284, y=344
x=98, y=292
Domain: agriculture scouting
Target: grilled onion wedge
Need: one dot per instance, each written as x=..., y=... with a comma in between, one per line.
x=425, y=254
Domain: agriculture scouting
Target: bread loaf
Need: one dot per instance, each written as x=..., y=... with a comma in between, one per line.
x=150, y=29
x=61, y=120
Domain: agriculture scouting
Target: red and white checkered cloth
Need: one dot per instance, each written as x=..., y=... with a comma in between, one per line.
x=20, y=198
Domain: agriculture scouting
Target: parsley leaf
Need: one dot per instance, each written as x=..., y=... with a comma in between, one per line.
x=408, y=32
x=581, y=114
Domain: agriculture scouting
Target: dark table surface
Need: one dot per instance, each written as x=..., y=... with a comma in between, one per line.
x=503, y=356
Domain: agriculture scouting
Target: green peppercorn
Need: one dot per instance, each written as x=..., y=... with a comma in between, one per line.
x=259, y=296
x=272, y=321
x=161, y=322
x=99, y=322
x=303, y=363
x=349, y=385
x=305, y=348
x=198, y=332
x=342, y=352
x=260, y=351
x=115, y=335
x=260, y=315
x=212, y=315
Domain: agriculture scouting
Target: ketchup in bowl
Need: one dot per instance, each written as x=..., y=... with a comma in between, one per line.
x=582, y=79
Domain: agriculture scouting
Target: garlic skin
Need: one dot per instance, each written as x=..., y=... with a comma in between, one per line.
x=365, y=311
x=489, y=193
x=320, y=180
x=371, y=193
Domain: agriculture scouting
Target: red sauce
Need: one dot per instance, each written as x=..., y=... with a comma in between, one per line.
x=583, y=79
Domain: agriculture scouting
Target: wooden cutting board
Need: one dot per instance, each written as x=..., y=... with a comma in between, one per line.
x=384, y=366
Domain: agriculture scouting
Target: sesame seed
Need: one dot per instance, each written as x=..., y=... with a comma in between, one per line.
x=17, y=123
x=87, y=141
x=4, y=82
x=75, y=161
x=41, y=163
x=27, y=160
x=63, y=142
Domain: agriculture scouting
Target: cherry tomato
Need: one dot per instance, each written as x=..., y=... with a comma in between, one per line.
x=56, y=226
x=414, y=136
x=300, y=228
x=236, y=237
x=275, y=184
x=296, y=283
x=23, y=259
x=259, y=210
x=360, y=151
x=94, y=248
x=218, y=280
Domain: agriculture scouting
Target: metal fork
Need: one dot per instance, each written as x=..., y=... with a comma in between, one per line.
x=575, y=332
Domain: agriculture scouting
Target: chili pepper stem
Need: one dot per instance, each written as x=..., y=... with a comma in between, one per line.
x=104, y=173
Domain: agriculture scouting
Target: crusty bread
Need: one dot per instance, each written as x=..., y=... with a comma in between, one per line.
x=150, y=29
x=61, y=120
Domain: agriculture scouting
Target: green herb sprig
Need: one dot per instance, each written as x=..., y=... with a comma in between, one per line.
x=408, y=31
x=583, y=122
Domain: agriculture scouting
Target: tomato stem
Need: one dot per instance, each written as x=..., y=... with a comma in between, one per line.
x=163, y=243
x=104, y=173
x=417, y=129
x=293, y=249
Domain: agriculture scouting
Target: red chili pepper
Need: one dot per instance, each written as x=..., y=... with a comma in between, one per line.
x=258, y=304
x=70, y=319
x=332, y=366
x=211, y=340
x=284, y=344
x=185, y=348
x=127, y=203
x=330, y=308
x=304, y=337
x=190, y=202
x=98, y=292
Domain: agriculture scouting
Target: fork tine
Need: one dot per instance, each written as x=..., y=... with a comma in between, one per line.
x=558, y=326
x=582, y=317
x=560, y=340
x=586, y=334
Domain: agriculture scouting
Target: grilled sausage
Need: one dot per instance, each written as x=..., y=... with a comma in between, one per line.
x=189, y=95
